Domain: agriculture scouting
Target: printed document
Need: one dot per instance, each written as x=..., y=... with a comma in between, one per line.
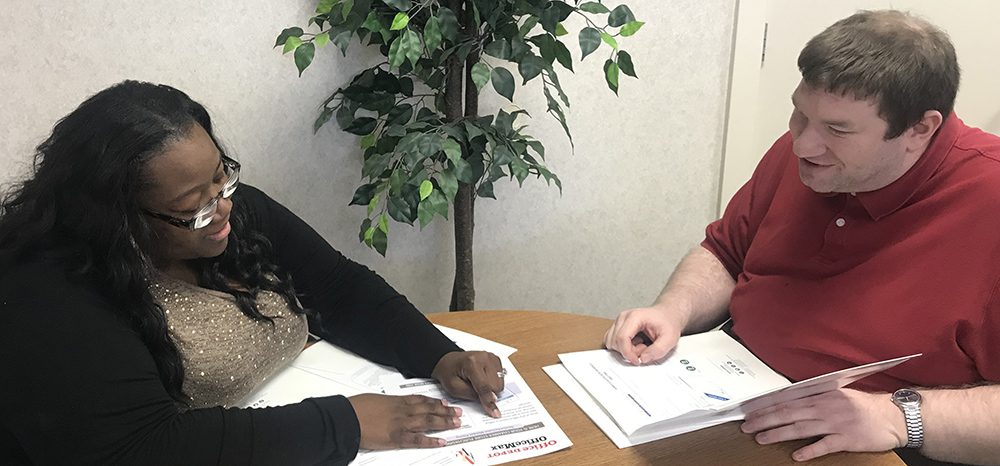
x=707, y=380
x=524, y=430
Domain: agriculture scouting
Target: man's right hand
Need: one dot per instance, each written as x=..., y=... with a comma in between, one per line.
x=389, y=422
x=644, y=335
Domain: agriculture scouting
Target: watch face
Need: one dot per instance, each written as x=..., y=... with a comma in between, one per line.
x=905, y=395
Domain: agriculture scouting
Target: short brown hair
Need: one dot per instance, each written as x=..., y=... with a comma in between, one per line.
x=905, y=64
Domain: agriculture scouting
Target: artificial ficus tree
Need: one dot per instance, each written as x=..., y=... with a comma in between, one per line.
x=425, y=146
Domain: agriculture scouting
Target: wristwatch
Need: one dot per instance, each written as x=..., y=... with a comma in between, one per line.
x=909, y=402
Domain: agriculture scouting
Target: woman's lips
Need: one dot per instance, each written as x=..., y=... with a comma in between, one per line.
x=222, y=234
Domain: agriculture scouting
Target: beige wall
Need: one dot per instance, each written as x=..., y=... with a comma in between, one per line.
x=639, y=189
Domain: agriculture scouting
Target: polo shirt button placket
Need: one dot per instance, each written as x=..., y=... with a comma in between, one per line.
x=840, y=222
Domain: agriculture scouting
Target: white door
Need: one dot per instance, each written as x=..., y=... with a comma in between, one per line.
x=762, y=83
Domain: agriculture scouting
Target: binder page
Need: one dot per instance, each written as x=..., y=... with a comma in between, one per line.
x=705, y=371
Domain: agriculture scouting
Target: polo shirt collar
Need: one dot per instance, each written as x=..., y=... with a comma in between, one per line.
x=887, y=200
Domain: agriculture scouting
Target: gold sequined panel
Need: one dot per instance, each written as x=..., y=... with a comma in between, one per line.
x=226, y=354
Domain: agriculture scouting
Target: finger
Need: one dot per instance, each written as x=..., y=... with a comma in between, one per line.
x=430, y=422
x=481, y=383
x=417, y=440
x=785, y=415
x=795, y=431
x=658, y=350
x=824, y=446
x=421, y=405
x=621, y=341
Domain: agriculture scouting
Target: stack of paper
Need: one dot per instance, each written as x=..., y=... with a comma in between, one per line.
x=707, y=380
x=524, y=429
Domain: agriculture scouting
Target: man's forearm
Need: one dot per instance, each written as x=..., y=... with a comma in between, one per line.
x=960, y=425
x=699, y=288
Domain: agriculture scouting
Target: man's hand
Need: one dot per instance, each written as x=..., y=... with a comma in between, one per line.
x=389, y=422
x=660, y=328
x=847, y=420
x=472, y=375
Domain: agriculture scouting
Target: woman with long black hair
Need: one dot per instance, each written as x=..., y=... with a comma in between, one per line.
x=144, y=291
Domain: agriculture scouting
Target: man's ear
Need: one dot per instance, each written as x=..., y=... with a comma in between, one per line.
x=919, y=135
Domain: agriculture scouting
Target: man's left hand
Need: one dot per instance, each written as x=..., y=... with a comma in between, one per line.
x=472, y=375
x=846, y=420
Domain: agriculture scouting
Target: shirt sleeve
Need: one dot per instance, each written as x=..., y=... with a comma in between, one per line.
x=80, y=387
x=356, y=308
x=729, y=237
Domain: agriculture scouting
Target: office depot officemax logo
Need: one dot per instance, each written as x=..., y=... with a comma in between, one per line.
x=536, y=443
x=465, y=455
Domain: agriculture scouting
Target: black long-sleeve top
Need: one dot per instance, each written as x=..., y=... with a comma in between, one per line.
x=78, y=386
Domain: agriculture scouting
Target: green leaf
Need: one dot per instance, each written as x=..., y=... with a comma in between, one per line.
x=608, y=39
x=397, y=55
x=304, y=56
x=449, y=184
x=400, y=210
x=411, y=44
x=400, y=21
x=480, y=75
x=364, y=194
x=406, y=86
x=367, y=238
x=503, y=82
x=291, y=43
x=620, y=16
x=362, y=126
x=561, y=30
x=625, y=63
x=452, y=149
x=518, y=48
x=519, y=169
x=373, y=203
x=325, y=6
x=563, y=56
x=368, y=140
x=486, y=190
x=631, y=28
x=342, y=39
x=463, y=170
x=435, y=203
x=426, y=187
x=528, y=25
x=285, y=34
x=590, y=39
x=380, y=241
x=538, y=148
x=383, y=223
x=321, y=120
x=432, y=34
x=530, y=67
x=400, y=114
x=322, y=39
x=401, y=5
x=449, y=23
x=365, y=225
x=372, y=22
x=429, y=145
x=594, y=7
x=345, y=10
x=499, y=48
x=611, y=74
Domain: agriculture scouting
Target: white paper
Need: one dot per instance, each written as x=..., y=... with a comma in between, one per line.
x=707, y=380
x=470, y=342
x=524, y=429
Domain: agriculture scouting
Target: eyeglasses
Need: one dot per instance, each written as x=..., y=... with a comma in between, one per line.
x=203, y=217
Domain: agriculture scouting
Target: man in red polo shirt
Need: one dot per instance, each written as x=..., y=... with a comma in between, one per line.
x=870, y=230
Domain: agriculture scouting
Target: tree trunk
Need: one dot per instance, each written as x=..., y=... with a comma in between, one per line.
x=463, y=292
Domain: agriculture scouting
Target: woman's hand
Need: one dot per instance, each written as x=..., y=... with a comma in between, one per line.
x=389, y=422
x=472, y=375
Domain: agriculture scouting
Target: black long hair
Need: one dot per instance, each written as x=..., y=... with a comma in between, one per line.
x=80, y=207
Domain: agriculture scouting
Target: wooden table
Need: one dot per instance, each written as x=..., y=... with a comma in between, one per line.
x=540, y=336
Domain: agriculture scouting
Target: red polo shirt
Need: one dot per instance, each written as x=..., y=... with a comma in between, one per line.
x=826, y=282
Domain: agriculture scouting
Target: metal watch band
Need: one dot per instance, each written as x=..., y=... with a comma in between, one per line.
x=914, y=425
